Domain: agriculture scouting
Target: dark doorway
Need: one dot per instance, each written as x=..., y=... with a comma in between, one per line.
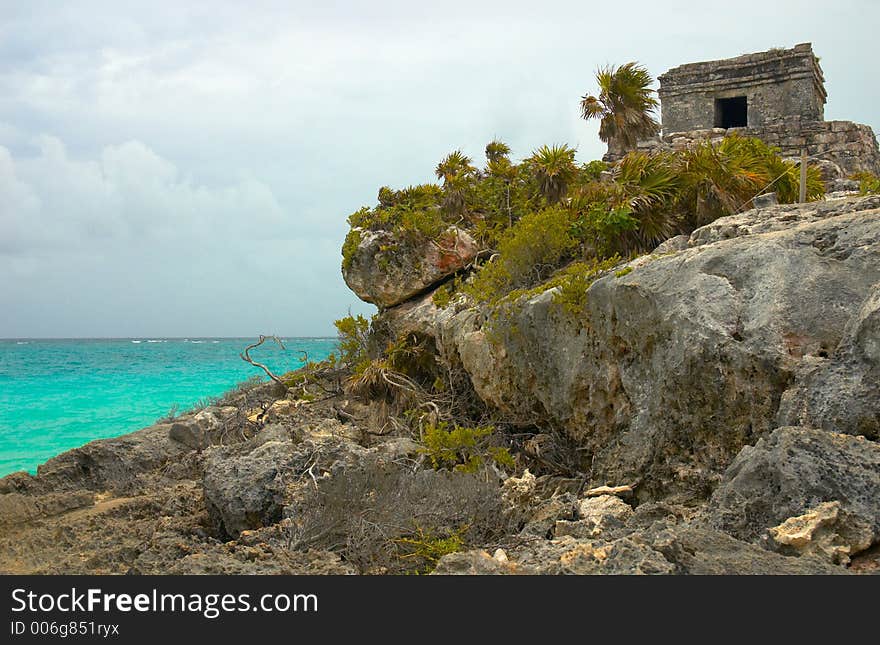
x=732, y=112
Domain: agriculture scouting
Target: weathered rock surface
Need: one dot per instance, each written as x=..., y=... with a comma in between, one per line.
x=790, y=472
x=671, y=369
x=386, y=271
x=825, y=530
x=203, y=429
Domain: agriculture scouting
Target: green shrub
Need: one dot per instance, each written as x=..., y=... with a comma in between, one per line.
x=350, y=246
x=869, y=183
x=592, y=170
x=353, y=332
x=496, y=150
x=424, y=548
x=442, y=296
x=459, y=448
x=575, y=280
x=527, y=254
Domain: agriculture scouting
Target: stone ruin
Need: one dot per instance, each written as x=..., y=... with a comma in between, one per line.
x=777, y=96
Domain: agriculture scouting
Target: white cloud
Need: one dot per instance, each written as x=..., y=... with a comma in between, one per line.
x=128, y=194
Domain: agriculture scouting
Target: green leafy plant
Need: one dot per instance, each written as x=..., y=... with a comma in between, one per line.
x=718, y=179
x=426, y=548
x=459, y=448
x=353, y=335
x=869, y=183
x=574, y=281
x=528, y=252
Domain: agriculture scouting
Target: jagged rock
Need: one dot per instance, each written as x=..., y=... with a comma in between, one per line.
x=245, y=490
x=470, y=563
x=519, y=492
x=671, y=369
x=108, y=464
x=766, y=200
x=596, y=516
x=698, y=550
x=790, y=472
x=568, y=555
x=825, y=530
x=542, y=516
x=386, y=271
x=202, y=429
x=843, y=186
x=16, y=508
x=261, y=561
x=672, y=245
x=840, y=391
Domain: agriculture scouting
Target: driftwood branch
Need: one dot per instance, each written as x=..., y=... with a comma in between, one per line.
x=246, y=357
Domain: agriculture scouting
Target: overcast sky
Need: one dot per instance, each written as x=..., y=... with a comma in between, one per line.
x=186, y=168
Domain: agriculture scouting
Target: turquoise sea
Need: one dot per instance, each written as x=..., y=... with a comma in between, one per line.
x=59, y=394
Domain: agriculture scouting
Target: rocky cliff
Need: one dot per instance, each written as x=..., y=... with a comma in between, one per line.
x=711, y=407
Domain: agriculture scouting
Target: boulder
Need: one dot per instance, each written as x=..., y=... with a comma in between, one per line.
x=826, y=530
x=478, y=562
x=202, y=429
x=386, y=270
x=791, y=472
x=695, y=550
x=839, y=390
x=246, y=489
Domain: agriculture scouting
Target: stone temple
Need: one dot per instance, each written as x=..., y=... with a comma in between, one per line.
x=777, y=95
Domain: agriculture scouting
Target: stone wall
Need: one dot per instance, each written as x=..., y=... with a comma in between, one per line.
x=777, y=84
x=852, y=146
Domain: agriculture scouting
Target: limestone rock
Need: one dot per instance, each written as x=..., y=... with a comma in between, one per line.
x=386, y=271
x=478, y=562
x=840, y=391
x=245, y=489
x=572, y=556
x=596, y=515
x=672, y=368
x=695, y=550
x=825, y=530
x=672, y=245
x=519, y=492
x=792, y=471
x=109, y=464
x=202, y=429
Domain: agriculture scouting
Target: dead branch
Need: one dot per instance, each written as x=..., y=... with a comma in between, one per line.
x=246, y=357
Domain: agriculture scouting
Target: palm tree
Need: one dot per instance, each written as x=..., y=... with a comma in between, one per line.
x=496, y=150
x=719, y=179
x=455, y=164
x=625, y=107
x=455, y=169
x=554, y=169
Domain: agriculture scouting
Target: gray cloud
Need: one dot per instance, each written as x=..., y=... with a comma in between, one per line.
x=188, y=169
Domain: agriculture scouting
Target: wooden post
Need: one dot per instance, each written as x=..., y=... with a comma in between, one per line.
x=803, y=195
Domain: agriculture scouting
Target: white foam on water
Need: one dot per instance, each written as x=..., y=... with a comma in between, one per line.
x=137, y=342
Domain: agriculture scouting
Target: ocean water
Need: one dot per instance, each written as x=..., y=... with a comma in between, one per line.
x=59, y=394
